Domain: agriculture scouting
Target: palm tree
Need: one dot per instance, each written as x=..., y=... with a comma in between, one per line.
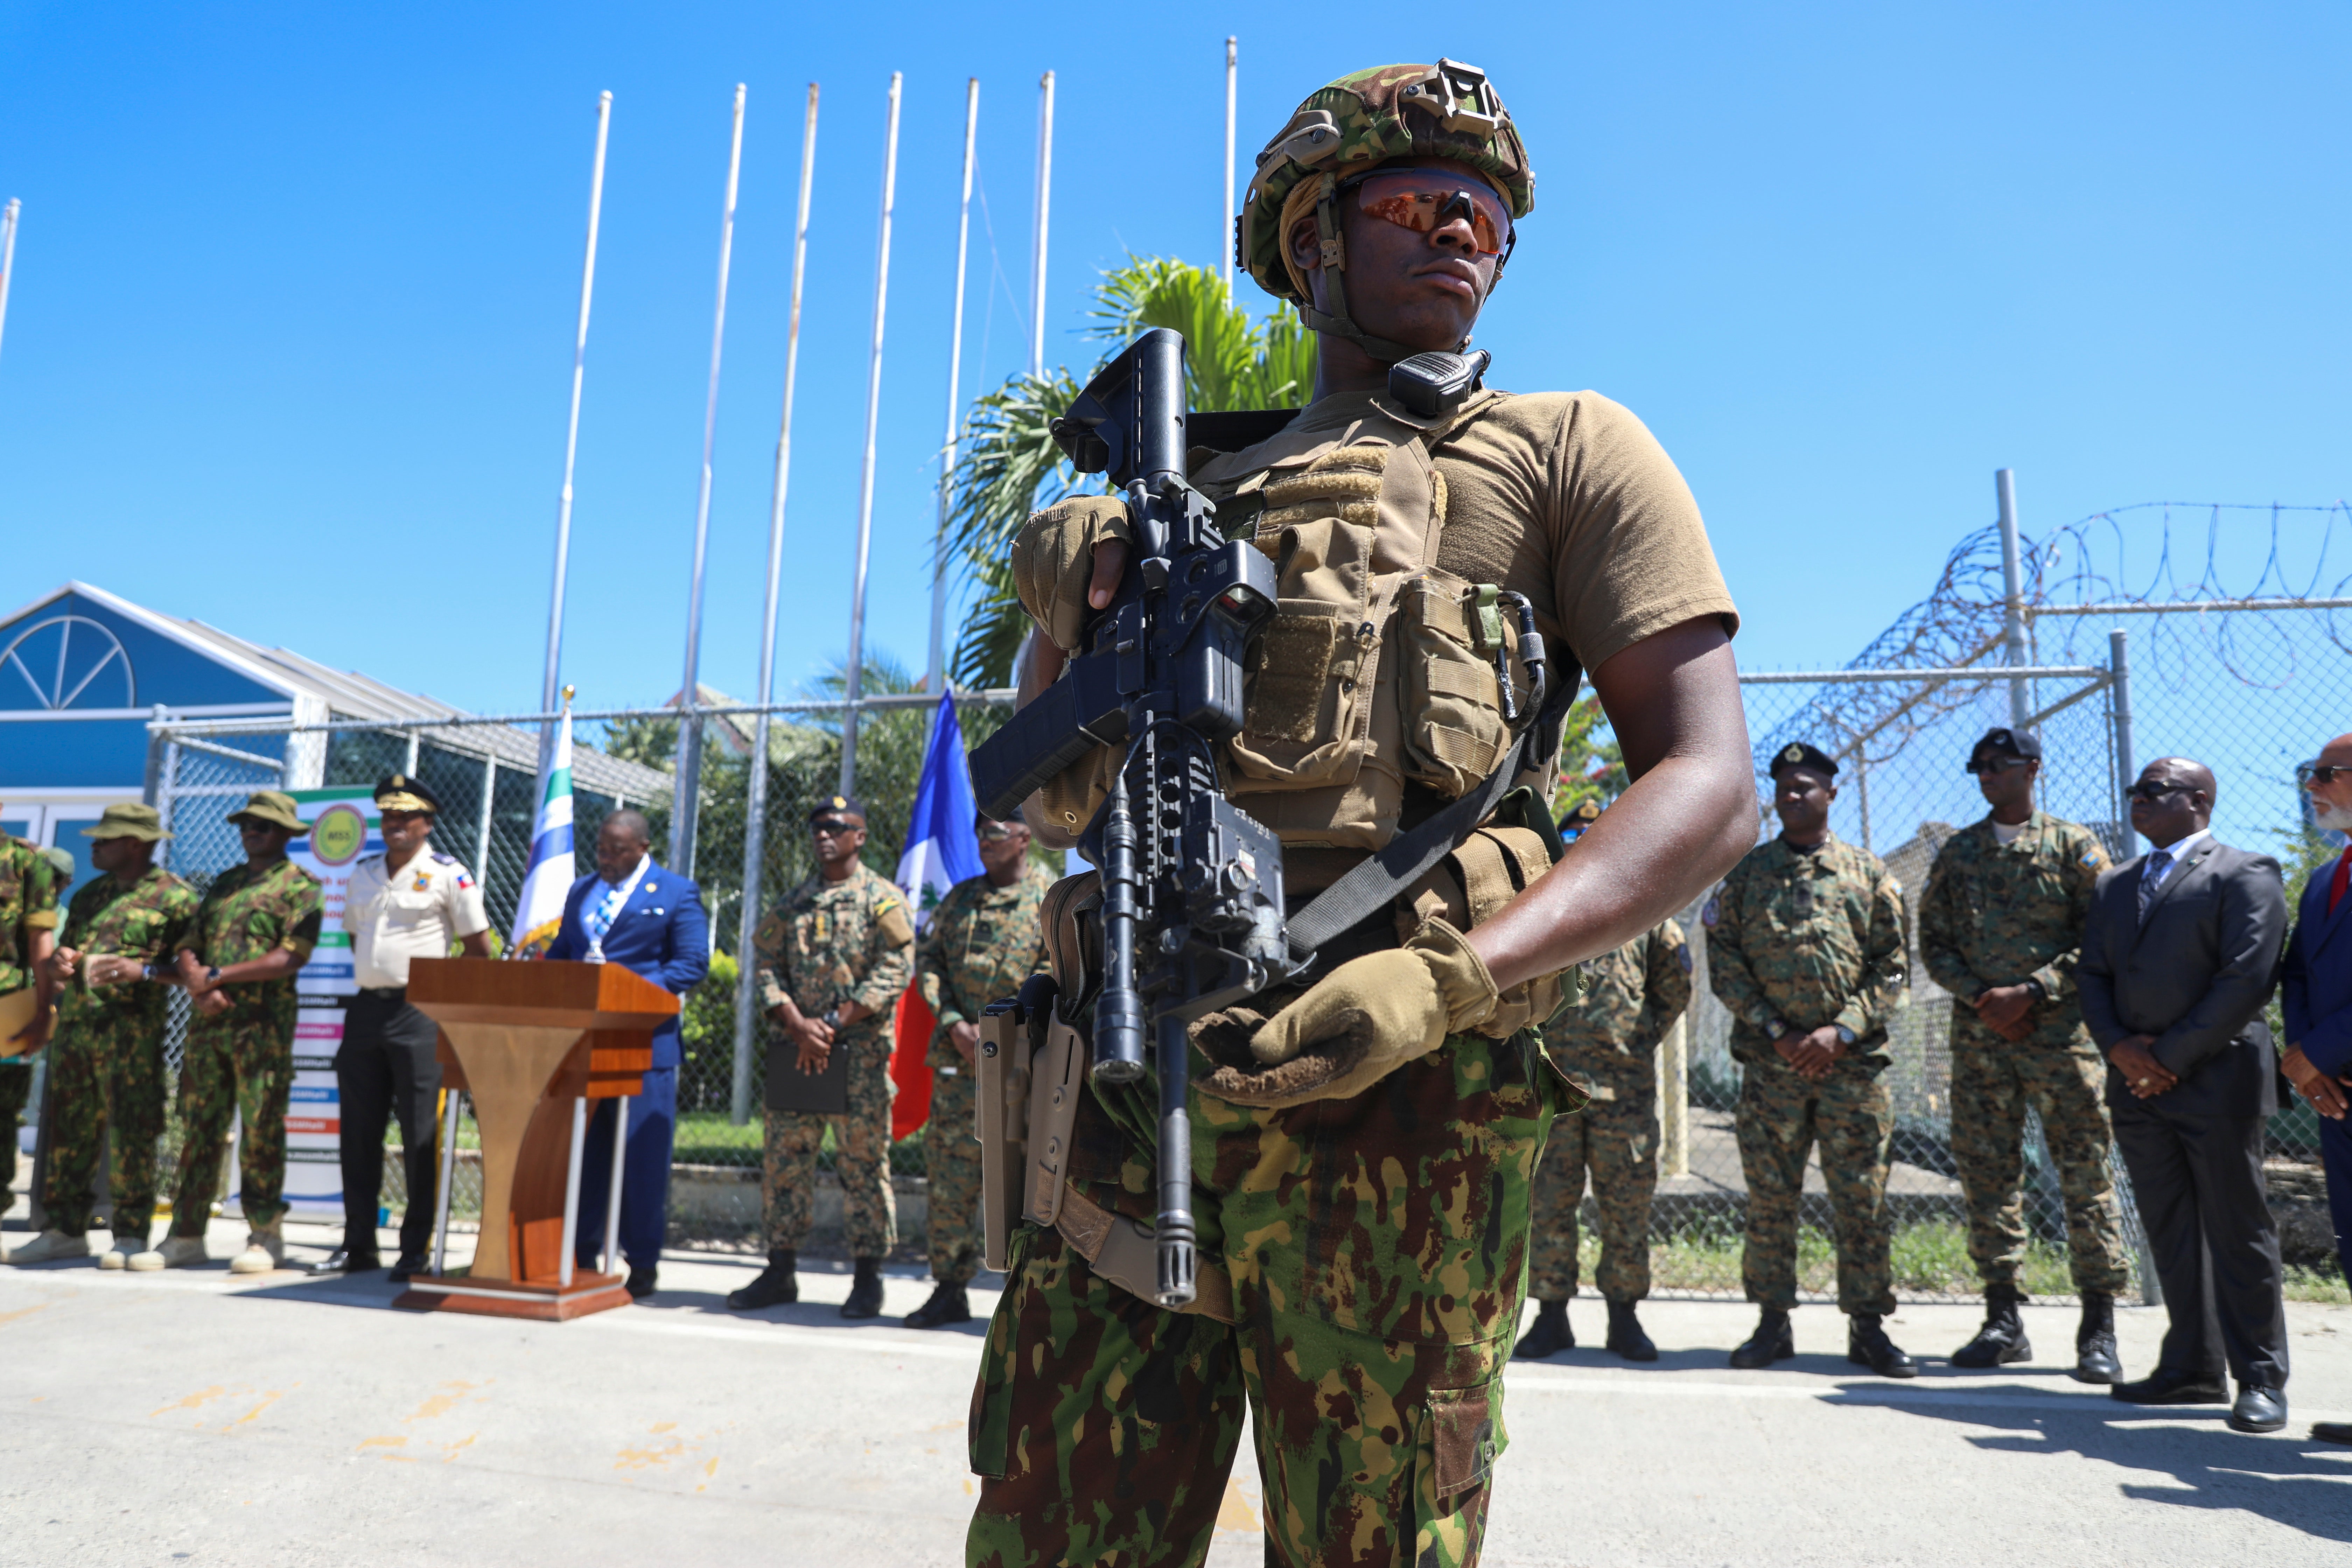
x=1011, y=467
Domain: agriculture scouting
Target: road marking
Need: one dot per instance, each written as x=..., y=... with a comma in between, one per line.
x=1536, y=1381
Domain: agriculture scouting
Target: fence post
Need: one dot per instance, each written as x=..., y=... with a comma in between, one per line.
x=686, y=794
x=152, y=789
x=755, y=859
x=2119, y=681
x=1862, y=791
x=482, y=837
x=2013, y=601
x=1673, y=1100
x=165, y=787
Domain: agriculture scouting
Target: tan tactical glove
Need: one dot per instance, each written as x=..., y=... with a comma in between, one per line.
x=1353, y=1028
x=1054, y=560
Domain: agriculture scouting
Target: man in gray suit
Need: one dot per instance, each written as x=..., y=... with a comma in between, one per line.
x=2179, y=953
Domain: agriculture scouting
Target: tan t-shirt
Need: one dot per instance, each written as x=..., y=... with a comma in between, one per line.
x=1567, y=497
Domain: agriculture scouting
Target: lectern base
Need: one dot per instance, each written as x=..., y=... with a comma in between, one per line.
x=547, y=1303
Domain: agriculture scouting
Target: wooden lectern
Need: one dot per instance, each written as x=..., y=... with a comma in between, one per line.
x=532, y=1043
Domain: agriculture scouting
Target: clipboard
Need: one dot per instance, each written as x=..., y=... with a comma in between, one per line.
x=822, y=1093
x=16, y=1011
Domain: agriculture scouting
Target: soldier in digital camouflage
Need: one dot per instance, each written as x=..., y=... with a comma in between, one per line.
x=833, y=959
x=106, y=1060
x=982, y=941
x=2000, y=927
x=1607, y=1041
x=1364, y=1137
x=1805, y=947
x=28, y=929
x=249, y=938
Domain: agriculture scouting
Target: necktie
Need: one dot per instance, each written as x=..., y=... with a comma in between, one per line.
x=2341, y=882
x=2151, y=878
x=601, y=919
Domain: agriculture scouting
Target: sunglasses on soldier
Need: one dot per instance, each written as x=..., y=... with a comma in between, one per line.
x=1425, y=200
x=833, y=826
x=992, y=832
x=1995, y=765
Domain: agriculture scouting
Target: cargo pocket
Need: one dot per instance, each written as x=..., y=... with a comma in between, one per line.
x=1461, y=1435
x=1453, y=634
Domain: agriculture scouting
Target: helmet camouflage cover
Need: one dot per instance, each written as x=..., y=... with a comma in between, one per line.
x=1368, y=117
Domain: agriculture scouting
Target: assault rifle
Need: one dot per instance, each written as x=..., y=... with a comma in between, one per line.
x=1192, y=886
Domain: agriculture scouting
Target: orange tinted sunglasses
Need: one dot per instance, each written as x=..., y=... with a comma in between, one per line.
x=1424, y=200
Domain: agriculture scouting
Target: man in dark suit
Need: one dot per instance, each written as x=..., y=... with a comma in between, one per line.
x=2319, y=985
x=650, y=921
x=2179, y=953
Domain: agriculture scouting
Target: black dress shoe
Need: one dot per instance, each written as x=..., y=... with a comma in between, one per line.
x=947, y=1305
x=1547, y=1335
x=1867, y=1344
x=2258, y=1409
x=1772, y=1341
x=2163, y=1386
x=2331, y=1431
x=641, y=1281
x=342, y=1261
x=411, y=1264
x=1626, y=1337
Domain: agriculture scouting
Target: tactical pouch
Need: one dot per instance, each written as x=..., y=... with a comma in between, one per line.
x=1452, y=641
x=1001, y=1113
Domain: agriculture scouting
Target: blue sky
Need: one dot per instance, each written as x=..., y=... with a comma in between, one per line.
x=290, y=335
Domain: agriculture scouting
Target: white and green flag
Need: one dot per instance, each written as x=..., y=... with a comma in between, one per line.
x=551, y=872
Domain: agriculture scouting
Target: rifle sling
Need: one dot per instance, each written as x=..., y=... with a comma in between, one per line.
x=1376, y=882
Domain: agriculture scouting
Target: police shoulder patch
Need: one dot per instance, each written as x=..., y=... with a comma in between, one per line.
x=1683, y=956
x=441, y=859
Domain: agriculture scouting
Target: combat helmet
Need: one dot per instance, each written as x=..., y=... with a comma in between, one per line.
x=1368, y=117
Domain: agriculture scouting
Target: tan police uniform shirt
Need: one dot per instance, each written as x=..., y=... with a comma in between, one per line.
x=413, y=912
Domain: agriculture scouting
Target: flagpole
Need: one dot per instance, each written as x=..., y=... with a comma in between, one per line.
x=8, y=250
x=1225, y=223
x=755, y=823
x=936, y=679
x=685, y=794
x=866, y=480
x=1037, y=242
x=547, y=686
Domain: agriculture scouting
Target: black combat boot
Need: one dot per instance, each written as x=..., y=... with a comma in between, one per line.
x=775, y=1285
x=865, y=1290
x=2002, y=1338
x=2095, y=1342
x=1550, y=1334
x=1771, y=1341
x=1625, y=1335
x=946, y=1306
x=1867, y=1344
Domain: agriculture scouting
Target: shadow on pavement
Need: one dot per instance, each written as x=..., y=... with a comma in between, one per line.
x=2288, y=1478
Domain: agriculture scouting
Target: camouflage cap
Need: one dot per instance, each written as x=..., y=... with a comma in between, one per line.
x=128, y=819
x=270, y=808
x=1368, y=117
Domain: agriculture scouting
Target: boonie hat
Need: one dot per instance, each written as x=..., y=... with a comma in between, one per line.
x=271, y=808
x=129, y=819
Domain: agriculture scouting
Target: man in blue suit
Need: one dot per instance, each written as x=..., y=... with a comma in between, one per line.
x=2317, y=981
x=650, y=921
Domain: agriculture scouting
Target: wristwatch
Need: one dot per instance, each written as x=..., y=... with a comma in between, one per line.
x=2041, y=991
x=1776, y=1027
x=1845, y=1035
x=212, y=975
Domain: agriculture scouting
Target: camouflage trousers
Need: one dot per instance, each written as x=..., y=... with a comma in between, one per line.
x=861, y=1156
x=1991, y=1091
x=239, y=1064
x=1852, y=1117
x=952, y=1156
x=1375, y=1251
x=15, y=1090
x=1616, y=1140
x=106, y=1076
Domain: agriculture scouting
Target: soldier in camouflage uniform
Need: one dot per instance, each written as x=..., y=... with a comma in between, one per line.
x=106, y=1063
x=1805, y=947
x=833, y=959
x=2000, y=927
x=1607, y=1041
x=251, y=935
x=982, y=941
x=28, y=930
x=1365, y=1137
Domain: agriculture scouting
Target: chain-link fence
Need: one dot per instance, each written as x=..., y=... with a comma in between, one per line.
x=483, y=772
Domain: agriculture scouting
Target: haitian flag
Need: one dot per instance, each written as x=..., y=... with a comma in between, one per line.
x=548, y=880
x=941, y=850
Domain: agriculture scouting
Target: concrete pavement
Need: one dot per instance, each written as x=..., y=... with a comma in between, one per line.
x=186, y=1417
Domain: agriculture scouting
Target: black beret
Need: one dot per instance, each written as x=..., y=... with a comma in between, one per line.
x=1803, y=754
x=2016, y=743
x=837, y=805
